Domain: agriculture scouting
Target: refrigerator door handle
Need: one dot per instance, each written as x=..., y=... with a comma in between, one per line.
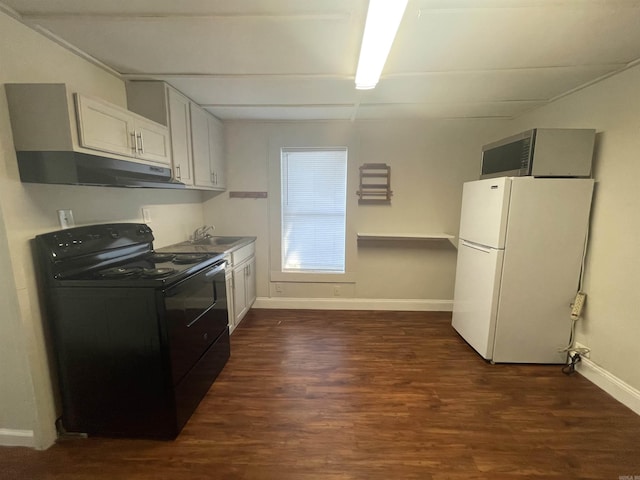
x=477, y=246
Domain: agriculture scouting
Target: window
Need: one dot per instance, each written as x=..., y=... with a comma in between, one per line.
x=314, y=194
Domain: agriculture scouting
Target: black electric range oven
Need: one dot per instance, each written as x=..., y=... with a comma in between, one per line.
x=139, y=336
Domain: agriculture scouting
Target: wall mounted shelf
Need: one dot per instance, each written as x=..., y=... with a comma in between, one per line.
x=375, y=184
x=247, y=194
x=408, y=237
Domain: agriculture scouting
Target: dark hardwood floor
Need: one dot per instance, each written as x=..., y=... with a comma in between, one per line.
x=366, y=395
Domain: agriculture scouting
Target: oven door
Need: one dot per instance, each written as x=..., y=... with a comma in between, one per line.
x=196, y=315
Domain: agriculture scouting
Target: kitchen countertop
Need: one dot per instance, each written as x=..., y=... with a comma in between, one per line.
x=216, y=244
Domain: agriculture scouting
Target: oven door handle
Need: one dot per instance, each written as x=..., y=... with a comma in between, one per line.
x=219, y=268
x=195, y=320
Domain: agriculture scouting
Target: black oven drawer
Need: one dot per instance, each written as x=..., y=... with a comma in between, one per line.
x=196, y=383
x=188, y=341
x=196, y=315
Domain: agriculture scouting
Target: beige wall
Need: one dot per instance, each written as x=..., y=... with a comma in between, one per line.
x=26, y=399
x=429, y=162
x=611, y=324
x=16, y=405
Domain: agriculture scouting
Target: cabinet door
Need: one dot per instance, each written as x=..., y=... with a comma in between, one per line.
x=216, y=149
x=203, y=176
x=104, y=127
x=152, y=142
x=230, y=301
x=179, y=126
x=239, y=294
x=250, y=285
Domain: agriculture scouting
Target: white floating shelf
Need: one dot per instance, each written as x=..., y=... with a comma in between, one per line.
x=407, y=236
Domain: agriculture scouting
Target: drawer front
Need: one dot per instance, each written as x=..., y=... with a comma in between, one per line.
x=243, y=253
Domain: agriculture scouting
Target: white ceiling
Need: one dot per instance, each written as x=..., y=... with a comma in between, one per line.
x=286, y=59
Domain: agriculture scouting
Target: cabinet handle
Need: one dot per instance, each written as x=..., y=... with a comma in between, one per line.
x=134, y=143
x=213, y=180
x=141, y=140
x=178, y=172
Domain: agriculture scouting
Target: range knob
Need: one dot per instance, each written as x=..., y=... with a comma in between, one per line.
x=114, y=234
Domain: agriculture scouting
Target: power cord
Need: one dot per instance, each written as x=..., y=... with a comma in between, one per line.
x=571, y=366
x=574, y=353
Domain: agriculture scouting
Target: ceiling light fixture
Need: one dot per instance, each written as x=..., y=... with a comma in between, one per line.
x=383, y=20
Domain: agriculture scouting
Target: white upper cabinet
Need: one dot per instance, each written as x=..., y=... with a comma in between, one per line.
x=105, y=127
x=197, y=142
x=152, y=141
x=180, y=129
x=217, y=153
x=208, y=149
x=45, y=118
x=201, y=149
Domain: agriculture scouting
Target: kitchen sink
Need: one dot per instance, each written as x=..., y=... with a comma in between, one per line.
x=217, y=241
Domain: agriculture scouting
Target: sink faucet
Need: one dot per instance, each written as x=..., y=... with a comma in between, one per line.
x=201, y=233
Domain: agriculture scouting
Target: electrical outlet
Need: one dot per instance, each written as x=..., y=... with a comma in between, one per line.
x=146, y=215
x=278, y=288
x=336, y=290
x=583, y=350
x=65, y=217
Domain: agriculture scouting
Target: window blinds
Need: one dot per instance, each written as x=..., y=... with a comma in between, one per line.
x=314, y=188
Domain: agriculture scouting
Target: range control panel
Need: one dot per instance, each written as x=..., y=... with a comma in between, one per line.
x=92, y=239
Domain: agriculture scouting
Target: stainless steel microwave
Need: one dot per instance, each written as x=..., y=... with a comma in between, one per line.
x=540, y=152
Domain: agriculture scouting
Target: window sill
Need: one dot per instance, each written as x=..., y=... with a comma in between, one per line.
x=299, y=277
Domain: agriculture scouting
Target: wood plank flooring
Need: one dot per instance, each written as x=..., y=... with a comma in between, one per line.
x=366, y=395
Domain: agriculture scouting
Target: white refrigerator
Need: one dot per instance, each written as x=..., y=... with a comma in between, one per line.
x=520, y=252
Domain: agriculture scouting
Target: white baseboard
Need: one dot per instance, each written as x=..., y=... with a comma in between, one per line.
x=621, y=391
x=16, y=438
x=416, y=305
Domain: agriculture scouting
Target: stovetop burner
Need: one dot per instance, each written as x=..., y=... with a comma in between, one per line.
x=162, y=257
x=186, y=258
x=128, y=272
x=158, y=272
x=120, y=272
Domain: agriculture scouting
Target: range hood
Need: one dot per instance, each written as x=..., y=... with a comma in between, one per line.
x=75, y=168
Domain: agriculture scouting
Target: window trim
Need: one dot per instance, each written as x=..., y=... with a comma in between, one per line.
x=305, y=137
x=284, y=152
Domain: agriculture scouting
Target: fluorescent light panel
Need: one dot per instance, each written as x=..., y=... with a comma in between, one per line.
x=383, y=20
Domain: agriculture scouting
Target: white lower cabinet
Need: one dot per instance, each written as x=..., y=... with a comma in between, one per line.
x=228, y=280
x=243, y=284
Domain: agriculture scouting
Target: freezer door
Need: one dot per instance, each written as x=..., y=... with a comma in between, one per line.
x=475, y=299
x=485, y=205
